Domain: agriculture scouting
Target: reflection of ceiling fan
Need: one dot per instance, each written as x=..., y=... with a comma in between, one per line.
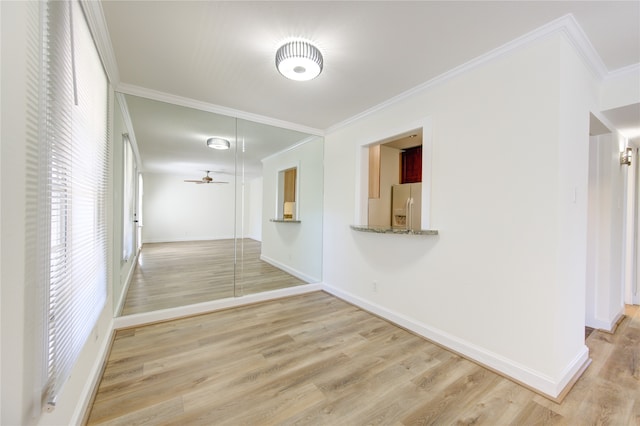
x=206, y=179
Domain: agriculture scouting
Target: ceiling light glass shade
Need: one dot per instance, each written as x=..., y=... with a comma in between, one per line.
x=299, y=60
x=218, y=143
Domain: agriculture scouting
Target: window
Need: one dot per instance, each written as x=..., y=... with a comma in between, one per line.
x=73, y=157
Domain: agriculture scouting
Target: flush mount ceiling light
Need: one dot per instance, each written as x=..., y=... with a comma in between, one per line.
x=218, y=143
x=299, y=60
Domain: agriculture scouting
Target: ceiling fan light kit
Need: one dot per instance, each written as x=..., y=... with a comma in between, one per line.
x=299, y=60
x=218, y=143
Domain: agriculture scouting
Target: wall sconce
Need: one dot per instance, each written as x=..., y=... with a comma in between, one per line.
x=625, y=156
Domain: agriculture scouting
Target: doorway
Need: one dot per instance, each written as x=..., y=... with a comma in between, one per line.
x=632, y=278
x=607, y=228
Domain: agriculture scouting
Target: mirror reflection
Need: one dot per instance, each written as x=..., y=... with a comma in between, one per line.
x=287, y=194
x=208, y=196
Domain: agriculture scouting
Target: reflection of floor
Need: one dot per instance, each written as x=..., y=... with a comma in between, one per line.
x=169, y=275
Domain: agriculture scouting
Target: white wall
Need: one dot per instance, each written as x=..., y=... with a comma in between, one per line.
x=295, y=247
x=175, y=210
x=605, y=262
x=621, y=89
x=18, y=337
x=492, y=284
x=579, y=95
x=253, y=209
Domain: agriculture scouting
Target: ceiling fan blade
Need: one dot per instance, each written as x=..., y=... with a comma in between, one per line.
x=195, y=181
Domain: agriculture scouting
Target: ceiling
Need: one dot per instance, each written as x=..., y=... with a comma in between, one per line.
x=222, y=53
x=172, y=139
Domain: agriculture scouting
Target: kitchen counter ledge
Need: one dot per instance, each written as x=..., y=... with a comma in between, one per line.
x=384, y=230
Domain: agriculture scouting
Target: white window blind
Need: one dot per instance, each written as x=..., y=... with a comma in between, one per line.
x=140, y=215
x=128, y=193
x=74, y=110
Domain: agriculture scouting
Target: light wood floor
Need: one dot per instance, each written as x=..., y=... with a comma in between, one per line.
x=169, y=275
x=314, y=359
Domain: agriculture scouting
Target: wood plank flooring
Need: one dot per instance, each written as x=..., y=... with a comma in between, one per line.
x=315, y=359
x=169, y=275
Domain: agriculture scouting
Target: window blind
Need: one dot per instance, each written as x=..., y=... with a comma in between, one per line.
x=74, y=115
x=128, y=199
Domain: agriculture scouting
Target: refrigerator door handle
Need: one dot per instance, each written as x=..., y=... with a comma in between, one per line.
x=412, y=200
x=407, y=212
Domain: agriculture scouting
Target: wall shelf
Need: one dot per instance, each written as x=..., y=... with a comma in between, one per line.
x=284, y=221
x=385, y=230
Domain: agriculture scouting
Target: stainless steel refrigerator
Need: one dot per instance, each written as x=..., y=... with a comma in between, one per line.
x=406, y=206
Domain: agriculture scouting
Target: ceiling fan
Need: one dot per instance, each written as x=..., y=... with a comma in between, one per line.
x=206, y=179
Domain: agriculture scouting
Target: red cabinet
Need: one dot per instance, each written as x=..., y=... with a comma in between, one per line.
x=411, y=165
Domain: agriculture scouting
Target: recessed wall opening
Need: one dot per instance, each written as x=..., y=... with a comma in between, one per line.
x=395, y=182
x=287, y=194
x=609, y=225
x=394, y=186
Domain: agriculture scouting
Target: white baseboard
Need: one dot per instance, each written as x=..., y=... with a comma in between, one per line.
x=211, y=306
x=518, y=372
x=304, y=277
x=185, y=239
x=604, y=324
x=93, y=378
x=125, y=287
x=572, y=371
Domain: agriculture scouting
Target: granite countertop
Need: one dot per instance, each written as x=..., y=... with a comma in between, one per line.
x=385, y=230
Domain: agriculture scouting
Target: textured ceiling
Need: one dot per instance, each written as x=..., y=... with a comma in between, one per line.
x=221, y=54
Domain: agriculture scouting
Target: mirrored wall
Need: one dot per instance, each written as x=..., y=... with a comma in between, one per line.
x=219, y=222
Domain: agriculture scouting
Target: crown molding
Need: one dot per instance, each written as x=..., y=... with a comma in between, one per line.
x=583, y=46
x=621, y=72
x=289, y=148
x=156, y=95
x=566, y=25
x=98, y=28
